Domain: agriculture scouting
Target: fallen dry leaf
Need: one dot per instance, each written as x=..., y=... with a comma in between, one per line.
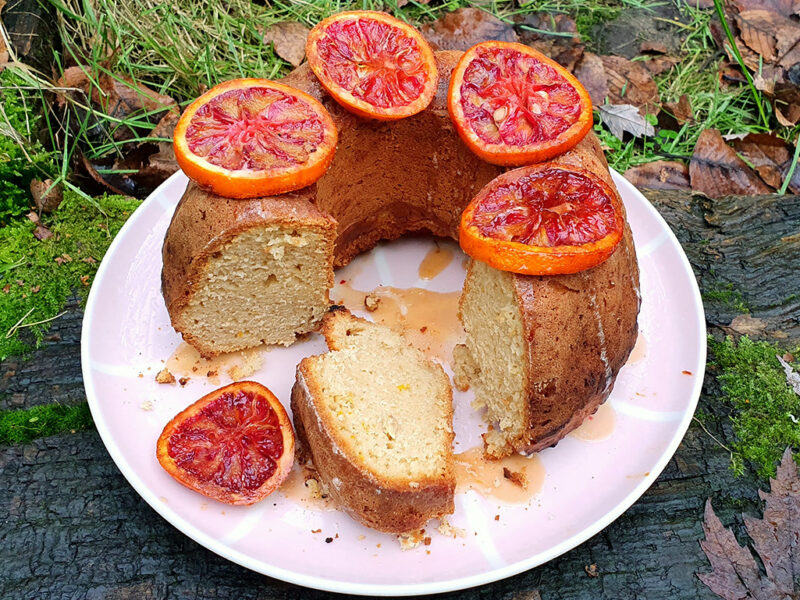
x=652, y=47
x=787, y=8
x=772, y=36
x=771, y=158
x=681, y=110
x=660, y=64
x=46, y=196
x=631, y=83
x=660, y=175
x=289, y=40
x=716, y=170
x=618, y=80
x=465, y=27
x=735, y=574
x=792, y=376
x=787, y=103
x=592, y=74
x=537, y=31
x=117, y=96
x=620, y=118
x=746, y=325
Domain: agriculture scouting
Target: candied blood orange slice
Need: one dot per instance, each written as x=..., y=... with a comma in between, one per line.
x=514, y=106
x=543, y=220
x=247, y=138
x=235, y=445
x=374, y=65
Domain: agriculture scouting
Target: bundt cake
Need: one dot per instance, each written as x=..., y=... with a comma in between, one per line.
x=540, y=364
x=240, y=273
x=376, y=416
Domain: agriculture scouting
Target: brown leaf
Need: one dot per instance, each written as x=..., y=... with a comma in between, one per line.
x=42, y=233
x=786, y=8
x=772, y=36
x=716, y=170
x=653, y=47
x=631, y=83
x=289, y=40
x=757, y=29
x=747, y=325
x=735, y=574
x=771, y=158
x=660, y=64
x=681, y=110
x=787, y=104
x=535, y=31
x=465, y=27
x=592, y=74
x=46, y=196
x=660, y=175
x=117, y=96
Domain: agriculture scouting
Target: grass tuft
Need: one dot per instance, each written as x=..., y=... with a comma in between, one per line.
x=24, y=426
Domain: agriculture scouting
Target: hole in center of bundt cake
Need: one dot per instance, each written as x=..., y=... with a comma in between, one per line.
x=255, y=128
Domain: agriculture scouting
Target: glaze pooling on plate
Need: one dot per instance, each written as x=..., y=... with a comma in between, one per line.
x=126, y=332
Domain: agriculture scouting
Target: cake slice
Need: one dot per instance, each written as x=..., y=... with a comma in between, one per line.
x=241, y=273
x=377, y=418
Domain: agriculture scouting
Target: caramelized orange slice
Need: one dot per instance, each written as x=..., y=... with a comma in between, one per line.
x=247, y=138
x=514, y=106
x=374, y=65
x=543, y=220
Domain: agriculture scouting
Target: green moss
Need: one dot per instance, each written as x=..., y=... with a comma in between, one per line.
x=22, y=157
x=37, y=277
x=23, y=426
x=766, y=410
x=727, y=295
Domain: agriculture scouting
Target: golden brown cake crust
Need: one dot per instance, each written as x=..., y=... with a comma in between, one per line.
x=204, y=222
x=579, y=330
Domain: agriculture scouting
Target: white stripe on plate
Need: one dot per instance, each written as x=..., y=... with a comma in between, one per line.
x=652, y=245
x=477, y=520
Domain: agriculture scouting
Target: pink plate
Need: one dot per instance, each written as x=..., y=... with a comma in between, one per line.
x=590, y=478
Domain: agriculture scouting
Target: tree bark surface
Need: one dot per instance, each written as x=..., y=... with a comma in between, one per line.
x=72, y=527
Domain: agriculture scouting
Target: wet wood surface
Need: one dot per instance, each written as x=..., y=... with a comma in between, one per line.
x=72, y=527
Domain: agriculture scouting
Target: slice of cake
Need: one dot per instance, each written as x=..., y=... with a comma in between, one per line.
x=240, y=273
x=376, y=416
x=542, y=353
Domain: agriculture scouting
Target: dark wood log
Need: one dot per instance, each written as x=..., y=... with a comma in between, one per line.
x=72, y=527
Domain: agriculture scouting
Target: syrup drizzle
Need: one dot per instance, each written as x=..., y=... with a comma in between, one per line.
x=487, y=477
x=428, y=320
x=436, y=260
x=187, y=362
x=598, y=426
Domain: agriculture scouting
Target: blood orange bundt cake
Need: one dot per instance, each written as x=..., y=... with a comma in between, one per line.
x=542, y=352
x=376, y=416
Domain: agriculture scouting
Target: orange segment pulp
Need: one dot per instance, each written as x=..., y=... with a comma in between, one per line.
x=235, y=445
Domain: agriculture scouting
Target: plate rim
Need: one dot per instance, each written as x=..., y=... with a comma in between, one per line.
x=382, y=589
